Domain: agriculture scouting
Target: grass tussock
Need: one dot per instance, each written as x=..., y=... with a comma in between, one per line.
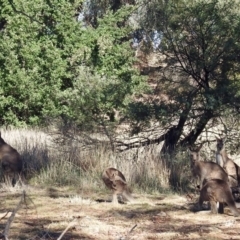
x=7, y=186
x=33, y=145
x=52, y=164
x=180, y=175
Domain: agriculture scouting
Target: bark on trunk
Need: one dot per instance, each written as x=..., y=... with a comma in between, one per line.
x=194, y=134
x=173, y=135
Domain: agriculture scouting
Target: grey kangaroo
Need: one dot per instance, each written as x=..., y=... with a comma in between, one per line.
x=116, y=181
x=217, y=190
x=205, y=170
x=232, y=169
x=11, y=161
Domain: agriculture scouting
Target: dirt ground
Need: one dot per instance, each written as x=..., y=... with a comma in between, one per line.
x=46, y=213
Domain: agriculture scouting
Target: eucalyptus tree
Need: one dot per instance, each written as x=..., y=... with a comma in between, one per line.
x=200, y=42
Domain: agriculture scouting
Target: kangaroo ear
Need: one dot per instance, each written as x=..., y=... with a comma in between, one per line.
x=199, y=147
x=190, y=149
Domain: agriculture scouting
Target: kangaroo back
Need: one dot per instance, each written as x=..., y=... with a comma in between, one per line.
x=116, y=181
x=111, y=176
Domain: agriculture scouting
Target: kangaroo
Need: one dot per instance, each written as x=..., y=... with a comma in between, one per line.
x=11, y=161
x=217, y=190
x=232, y=169
x=116, y=181
x=205, y=170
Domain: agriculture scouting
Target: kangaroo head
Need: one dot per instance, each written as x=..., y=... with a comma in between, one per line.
x=220, y=144
x=194, y=152
x=194, y=155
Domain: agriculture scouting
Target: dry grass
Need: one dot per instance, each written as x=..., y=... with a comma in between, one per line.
x=33, y=145
x=48, y=163
x=48, y=212
x=65, y=192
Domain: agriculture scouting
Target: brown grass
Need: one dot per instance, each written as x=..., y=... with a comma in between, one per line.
x=49, y=211
x=64, y=187
x=49, y=163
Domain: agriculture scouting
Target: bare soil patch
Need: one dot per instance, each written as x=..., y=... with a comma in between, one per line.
x=48, y=212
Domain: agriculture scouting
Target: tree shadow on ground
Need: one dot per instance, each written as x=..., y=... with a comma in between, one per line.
x=38, y=228
x=160, y=220
x=142, y=211
x=185, y=229
x=54, y=193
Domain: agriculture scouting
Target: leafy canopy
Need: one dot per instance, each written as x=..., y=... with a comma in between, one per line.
x=200, y=40
x=48, y=56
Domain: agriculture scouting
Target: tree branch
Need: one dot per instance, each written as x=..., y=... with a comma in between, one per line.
x=23, y=13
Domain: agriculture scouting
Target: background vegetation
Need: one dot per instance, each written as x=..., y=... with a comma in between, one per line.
x=72, y=69
x=49, y=164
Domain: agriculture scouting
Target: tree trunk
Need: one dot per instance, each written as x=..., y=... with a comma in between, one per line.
x=194, y=134
x=173, y=135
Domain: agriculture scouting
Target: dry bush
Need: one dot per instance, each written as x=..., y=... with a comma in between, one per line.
x=7, y=186
x=49, y=163
x=180, y=176
x=144, y=168
x=151, y=172
x=58, y=173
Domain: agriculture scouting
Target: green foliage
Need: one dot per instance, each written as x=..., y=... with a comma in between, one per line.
x=34, y=46
x=44, y=48
x=107, y=80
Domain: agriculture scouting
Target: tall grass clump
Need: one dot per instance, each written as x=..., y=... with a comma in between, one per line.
x=82, y=170
x=58, y=173
x=68, y=163
x=180, y=175
x=33, y=146
x=148, y=172
x=151, y=172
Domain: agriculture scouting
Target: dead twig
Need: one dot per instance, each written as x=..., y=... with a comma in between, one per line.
x=131, y=230
x=4, y=215
x=11, y=218
x=71, y=224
